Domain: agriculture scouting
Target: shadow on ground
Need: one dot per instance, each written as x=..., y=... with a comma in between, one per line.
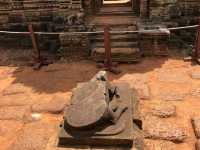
x=62, y=77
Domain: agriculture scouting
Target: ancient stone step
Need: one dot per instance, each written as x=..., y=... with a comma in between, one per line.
x=120, y=54
x=120, y=13
x=119, y=44
x=113, y=20
x=113, y=3
x=117, y=50
x=118, y=37
x=116, y=10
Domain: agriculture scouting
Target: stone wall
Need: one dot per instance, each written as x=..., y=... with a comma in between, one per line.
x=44, y=15
x=53, y=15
x=43, y=10
x=174, y=10
x=4, y=10
x=35, y=11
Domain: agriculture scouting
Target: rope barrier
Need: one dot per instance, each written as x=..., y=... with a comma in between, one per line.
x=12, y=32
x=99, y=32
x=184, y=27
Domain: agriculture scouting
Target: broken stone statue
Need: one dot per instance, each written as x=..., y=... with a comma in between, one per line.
x=101, y=114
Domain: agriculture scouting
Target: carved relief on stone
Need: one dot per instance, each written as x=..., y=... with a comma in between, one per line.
x=75, y=19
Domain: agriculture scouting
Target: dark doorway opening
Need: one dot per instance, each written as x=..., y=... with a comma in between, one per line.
x=128, y=7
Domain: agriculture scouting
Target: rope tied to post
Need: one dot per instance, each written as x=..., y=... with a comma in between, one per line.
x=98, y=32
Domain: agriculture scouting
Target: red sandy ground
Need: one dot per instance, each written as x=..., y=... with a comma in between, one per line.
x=60, y=78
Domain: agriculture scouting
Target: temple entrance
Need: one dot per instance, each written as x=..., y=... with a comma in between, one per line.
x=115, y=1
x=119, y=15
x=115, y=13
x=131, y=7
x=117, y=6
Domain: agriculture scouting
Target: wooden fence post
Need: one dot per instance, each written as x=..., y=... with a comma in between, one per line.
x=108, y=54
x=36, y=51
x=108, y=59
x=38, y=60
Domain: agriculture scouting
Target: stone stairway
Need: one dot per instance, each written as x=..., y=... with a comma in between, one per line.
x=124, y=47
x=76, y=4
x=116, y=10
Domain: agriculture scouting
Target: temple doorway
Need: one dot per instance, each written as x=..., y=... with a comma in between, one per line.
x=131, y=7
x=115, y=1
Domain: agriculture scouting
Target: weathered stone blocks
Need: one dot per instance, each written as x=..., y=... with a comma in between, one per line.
x=33, y=136
x=15, y=89
x=159, y=145
x=14, y=113
x=15, y=100
x=162, y=130
x=164, y=110
x=9, y=127
x=172, y=92
x=54, y=105
x=74, y=45
x=173, y=76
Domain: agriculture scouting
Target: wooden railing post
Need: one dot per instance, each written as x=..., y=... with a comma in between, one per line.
x=108, y=59
x=38, y=60
x=108, y=54
x=36, y=51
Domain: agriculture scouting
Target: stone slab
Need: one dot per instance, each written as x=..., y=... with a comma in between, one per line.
x=157, y=129
x=16, y=100
x=159, y=145
x=164, y=110
x=54, y=105
x=8, y=128
x=173, y=76
x=138, y=82
x=34, y=136
x=19, y=113
x=172, y=92
x=15, y=89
